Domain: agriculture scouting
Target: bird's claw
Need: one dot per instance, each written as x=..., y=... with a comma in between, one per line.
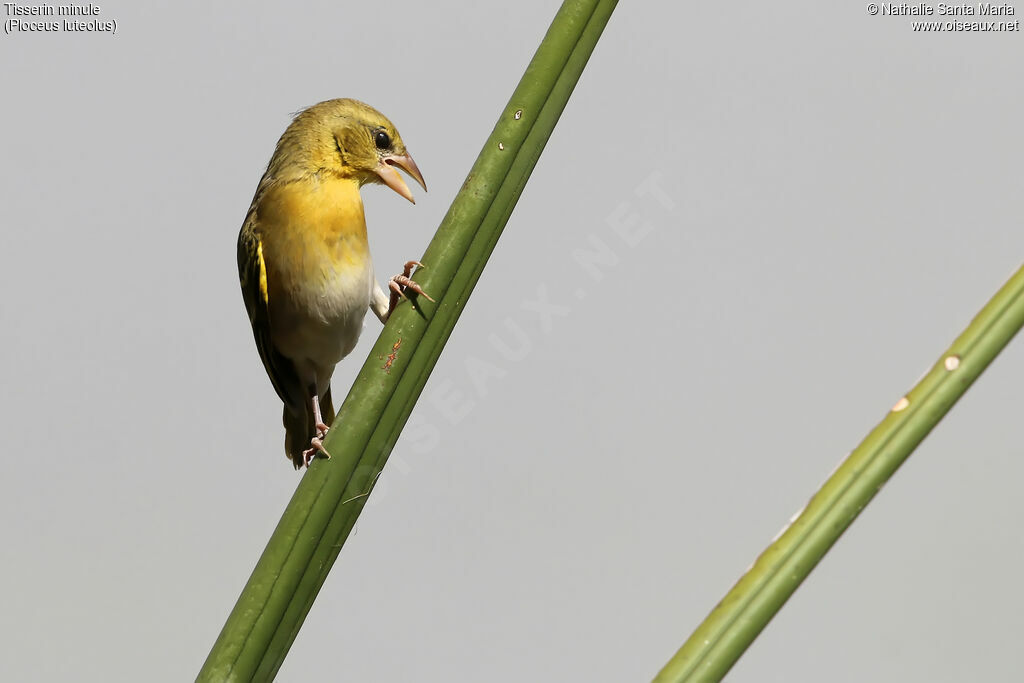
x=316, y=445
x=399, y=283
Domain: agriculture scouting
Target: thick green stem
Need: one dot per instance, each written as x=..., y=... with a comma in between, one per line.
x=732, y=626
x=324, y=508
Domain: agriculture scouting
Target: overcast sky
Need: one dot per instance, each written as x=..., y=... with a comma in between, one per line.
x=840, y=195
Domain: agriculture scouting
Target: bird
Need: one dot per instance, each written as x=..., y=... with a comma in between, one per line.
x=304, y=260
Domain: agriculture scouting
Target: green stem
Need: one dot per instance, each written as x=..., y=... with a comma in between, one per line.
x=274, y=603
x=732, y=626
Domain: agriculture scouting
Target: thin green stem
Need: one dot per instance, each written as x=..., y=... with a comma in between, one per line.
x=737, y=620
x=274, y=603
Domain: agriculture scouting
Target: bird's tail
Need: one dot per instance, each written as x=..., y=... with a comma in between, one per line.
x=299, y=429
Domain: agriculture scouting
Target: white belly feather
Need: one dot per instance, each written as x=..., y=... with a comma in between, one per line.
x=317, y=326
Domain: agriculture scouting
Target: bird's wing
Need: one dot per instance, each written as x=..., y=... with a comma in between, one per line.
x=252, y=273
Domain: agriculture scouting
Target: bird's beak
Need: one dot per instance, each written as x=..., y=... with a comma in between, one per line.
x=386, y=170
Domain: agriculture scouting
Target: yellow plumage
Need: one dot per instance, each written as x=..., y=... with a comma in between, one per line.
x=304, y=260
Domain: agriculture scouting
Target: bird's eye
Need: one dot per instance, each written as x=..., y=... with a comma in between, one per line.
x=382, y=140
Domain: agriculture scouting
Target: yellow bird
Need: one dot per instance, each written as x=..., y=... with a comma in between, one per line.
x=304, y=260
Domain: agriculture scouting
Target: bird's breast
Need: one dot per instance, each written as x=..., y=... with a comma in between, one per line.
x=319, y=271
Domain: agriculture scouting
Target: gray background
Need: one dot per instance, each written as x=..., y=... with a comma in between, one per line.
x=843, y=194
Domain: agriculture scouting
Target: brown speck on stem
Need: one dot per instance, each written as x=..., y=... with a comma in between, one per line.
x=391, y=356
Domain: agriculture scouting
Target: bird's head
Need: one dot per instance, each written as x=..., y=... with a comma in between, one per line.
x=353, y=140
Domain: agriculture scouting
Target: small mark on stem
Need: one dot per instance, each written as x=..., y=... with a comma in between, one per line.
x=391, y=356
x=501, y=145
x=901, y=404
x=519, y=114
x=952, y=362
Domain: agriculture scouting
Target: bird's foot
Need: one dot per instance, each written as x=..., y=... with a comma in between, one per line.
x=316, y=445
x=399, y=283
